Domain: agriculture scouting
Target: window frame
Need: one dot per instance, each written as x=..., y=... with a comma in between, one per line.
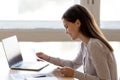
x=54, y=34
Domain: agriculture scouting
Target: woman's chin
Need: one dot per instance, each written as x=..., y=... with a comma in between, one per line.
x=73, y=38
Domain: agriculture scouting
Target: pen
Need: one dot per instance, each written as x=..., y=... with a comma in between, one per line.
x=40, y=76
x=35, y=78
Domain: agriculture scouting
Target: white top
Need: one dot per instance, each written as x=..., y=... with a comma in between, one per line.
x=97, y=60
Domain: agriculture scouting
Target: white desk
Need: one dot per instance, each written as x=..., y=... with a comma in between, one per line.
x=5, y=72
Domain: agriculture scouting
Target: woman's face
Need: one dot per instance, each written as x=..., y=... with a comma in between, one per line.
x=72, y=28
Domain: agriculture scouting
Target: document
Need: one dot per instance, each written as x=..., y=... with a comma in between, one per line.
x=42, y=78
x=33, y=76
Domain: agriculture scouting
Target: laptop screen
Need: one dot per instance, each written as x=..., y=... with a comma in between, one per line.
x=12, y=50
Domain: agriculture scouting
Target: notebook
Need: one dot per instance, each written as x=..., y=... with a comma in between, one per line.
x=14, y=56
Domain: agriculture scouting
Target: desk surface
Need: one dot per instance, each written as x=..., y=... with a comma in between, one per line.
x=6, y=72
x=18, y=74
x=58, y=47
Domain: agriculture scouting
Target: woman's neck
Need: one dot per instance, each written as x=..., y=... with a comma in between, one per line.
x=84, y=39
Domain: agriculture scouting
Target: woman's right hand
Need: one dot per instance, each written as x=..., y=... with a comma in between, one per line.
x=43, y=56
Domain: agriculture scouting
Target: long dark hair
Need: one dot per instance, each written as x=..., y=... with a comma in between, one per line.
x=88, y=27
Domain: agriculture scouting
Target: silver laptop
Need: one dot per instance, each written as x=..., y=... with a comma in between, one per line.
x=14, y=56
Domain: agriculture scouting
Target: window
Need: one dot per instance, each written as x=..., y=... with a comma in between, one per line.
x=32, y=13
x=33, y=9
x=110, y=14
x=21, y=14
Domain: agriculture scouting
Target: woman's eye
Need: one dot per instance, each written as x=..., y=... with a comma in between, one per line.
x=66, y=27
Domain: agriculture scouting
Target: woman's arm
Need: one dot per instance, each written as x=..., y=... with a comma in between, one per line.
x=77, y=62
x=61, y=62
x=83, y=76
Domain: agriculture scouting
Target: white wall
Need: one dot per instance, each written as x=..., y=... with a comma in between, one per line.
x=36, y=34
x=50, y=34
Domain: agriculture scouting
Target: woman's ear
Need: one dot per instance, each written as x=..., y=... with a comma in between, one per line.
x=78, y=23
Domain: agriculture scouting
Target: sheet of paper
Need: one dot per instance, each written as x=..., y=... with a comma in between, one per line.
x=42, y=78
x=20, y=76
x=26, y=76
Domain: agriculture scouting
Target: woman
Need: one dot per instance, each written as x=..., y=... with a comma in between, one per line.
x=96, y=54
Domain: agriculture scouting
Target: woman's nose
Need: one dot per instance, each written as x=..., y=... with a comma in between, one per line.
x=66, y=31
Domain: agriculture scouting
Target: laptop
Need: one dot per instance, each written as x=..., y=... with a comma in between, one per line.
x=14, y=56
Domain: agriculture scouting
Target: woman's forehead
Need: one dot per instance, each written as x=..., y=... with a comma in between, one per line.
x=65, y=21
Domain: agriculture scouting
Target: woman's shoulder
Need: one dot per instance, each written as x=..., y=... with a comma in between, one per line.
x=94, y=41
x=96, y=44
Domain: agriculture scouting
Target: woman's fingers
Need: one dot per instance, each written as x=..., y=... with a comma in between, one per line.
x=67, y=72
x=39, y=54
x=43, y=56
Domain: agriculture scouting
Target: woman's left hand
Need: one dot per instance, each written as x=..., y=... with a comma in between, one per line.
x=67, y=71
